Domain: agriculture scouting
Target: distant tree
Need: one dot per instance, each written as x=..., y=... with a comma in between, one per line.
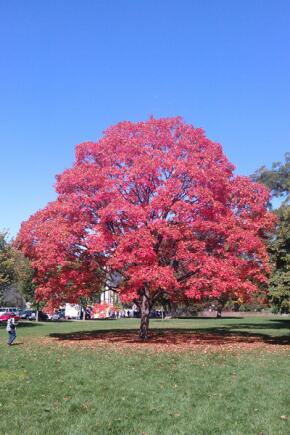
x=279, y=248
x=157, y=204
x=6, y=264
x=278, y=180
x=23, y=276
x=15, y=269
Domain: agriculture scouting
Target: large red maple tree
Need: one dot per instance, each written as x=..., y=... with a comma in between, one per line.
x=152, y=209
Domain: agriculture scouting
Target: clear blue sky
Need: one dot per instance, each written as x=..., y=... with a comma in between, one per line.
x=71, y=68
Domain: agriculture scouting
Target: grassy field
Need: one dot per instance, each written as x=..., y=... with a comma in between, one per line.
x=48, y=387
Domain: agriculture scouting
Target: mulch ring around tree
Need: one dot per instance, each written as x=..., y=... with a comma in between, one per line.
x=168, y=341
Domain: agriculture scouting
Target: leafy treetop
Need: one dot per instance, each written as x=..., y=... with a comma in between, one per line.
x=151, y=209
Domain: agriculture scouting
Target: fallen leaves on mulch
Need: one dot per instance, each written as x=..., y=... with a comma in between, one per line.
x=166, y=341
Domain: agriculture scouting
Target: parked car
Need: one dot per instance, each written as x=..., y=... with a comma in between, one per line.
x=41, y=316
x=57, y=316
x=14, y=310
x=31, y=315
x=25, y=314
x=7, y=316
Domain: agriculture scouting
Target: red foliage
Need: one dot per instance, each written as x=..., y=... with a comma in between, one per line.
x=158, y=203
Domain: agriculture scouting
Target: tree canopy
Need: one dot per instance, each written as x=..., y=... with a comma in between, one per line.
x=278, y=180
x=151, y=209
x=6, y=263
x=15, y=269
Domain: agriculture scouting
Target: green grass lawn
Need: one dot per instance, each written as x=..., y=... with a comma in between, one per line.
x=55, y=389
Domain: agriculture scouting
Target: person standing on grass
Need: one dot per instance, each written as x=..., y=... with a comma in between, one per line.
x=11, y=329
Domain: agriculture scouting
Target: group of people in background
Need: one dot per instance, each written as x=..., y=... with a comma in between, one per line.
x=120, y=314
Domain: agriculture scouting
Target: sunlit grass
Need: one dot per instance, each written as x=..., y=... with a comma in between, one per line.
x=51, y=389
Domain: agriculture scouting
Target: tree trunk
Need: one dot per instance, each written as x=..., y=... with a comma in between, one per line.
x=145, y=312
x=219, y=310
x=37, y=313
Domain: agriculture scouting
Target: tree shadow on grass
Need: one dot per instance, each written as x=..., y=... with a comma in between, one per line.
x=227, y=334
x=58, y=321
x=22, y=325
x=236, y=332
x=33, y=323
x=28, y=325
x=205, y=318
x=271, y=324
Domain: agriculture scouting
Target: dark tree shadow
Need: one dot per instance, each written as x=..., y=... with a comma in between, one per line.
x=28, y=325
x=57, y=321
x=226, y=334
x=206, y=318
x=33, y=323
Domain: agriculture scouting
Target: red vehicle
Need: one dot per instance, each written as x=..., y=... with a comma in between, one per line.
x=6, y=316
